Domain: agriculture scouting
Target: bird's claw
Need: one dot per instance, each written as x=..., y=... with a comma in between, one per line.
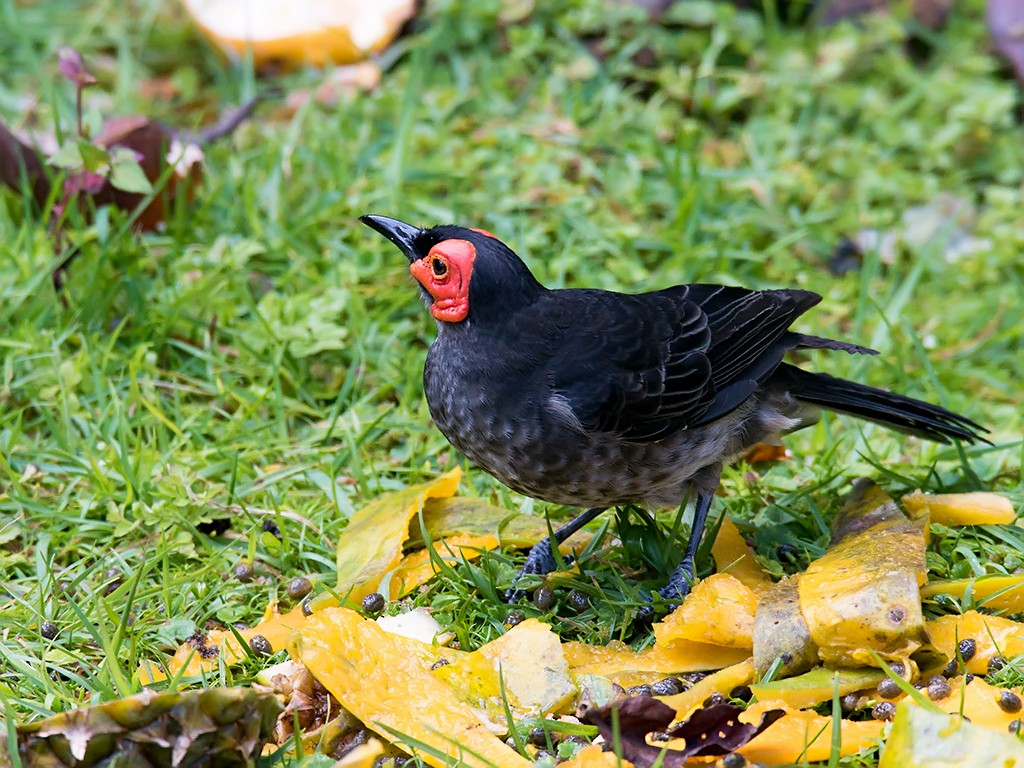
x=679, y=584
x=541, y=560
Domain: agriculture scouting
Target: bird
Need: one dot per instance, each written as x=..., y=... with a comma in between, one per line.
x=597, y=399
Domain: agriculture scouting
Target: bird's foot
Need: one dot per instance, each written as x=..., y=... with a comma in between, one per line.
x=541, y=560
x=679, y=584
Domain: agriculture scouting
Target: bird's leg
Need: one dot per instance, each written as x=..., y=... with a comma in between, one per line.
x=542, y=556
x=682, y=577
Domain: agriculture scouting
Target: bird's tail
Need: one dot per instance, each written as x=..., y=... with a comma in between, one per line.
x=889, y=409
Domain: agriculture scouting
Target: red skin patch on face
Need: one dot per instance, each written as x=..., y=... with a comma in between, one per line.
x=482, y=232
x=445, y=273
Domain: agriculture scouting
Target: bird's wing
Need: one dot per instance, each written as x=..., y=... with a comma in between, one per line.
x=647, y=366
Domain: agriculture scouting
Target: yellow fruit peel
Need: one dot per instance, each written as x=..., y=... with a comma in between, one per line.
x=718, y=611
x=379, y=677
x=723, y=681
x=981, y=508
x=734, y=556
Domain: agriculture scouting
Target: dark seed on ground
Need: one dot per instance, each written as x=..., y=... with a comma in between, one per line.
x=741, y=693
x=639, y=690
x=48, y=630
x=515, y=618
x=544, y=597
x=307, y=609
x=884, y=710
x=645, y=615
x=995, y=664
x=786, y=552
x=734, y=760
x=938, y=688
x=374, y=603
x=299, y=587
x=952, y=669
x=967, y=648
x=540, y=754
x=537, y=737
x=670, y=686
x=887, y=689
x=439, y=663
x=850, y=702
x=968, y=678
x=714, y=699
x=897, y=668
x=244, y=572
x=1009, y=702
x=578, y=600
x=660, y=736
x=269, y=526
x=1014, y=726
x=694, y=677
x=260, y=645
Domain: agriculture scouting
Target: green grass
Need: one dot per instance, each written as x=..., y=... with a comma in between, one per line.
x=260, y=359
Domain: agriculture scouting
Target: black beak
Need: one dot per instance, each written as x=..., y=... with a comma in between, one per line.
x=398, y=232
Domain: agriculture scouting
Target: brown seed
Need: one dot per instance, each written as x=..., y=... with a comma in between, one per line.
x=299, y=587
x=694, y=677
x=1014, y=726
x=269, y=526
x=639, y=690
x=48, y=630
x=307, y=609
x=967, y=648
x=952, y=669
x=670, y=686
x=537, y=737
x=888, y=689
x=850, y=702
x=938, y=688
x=578, y=600
x=544, y=597
x=439, y=663
x=373, y=603
x=260, y=645
x=660, y=736
x=995, y=664
x=968, y=678
x=244, y=571
x=714, y=699
x=1009, y=702
x=515, y=618
x=884, y=710
x=897, y=668
x=741, y=693
x=734, y=760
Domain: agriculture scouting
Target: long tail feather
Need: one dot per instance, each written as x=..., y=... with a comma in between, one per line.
x=898, y=412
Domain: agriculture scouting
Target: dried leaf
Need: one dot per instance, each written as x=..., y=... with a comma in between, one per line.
x=717, y=730
x=1006, y=25
x=625, y=723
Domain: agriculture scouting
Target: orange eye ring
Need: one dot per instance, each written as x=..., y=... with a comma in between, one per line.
x=439, y=268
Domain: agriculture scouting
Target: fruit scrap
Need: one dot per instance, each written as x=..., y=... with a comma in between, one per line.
x=722, y=682
x=718, y=611
x=922, y=738
x=218, y=726
x=296, y=32
x=373, y=540
x=734, y=556
x=386, y=682
x=995, y=592
x=979, y=508
x=621, y=664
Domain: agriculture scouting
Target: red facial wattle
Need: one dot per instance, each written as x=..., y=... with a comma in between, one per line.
x=445, y=273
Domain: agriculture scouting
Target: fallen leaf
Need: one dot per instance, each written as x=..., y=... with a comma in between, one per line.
x=625, y=724
x=717, y=730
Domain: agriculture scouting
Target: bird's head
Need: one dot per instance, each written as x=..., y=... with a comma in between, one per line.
x=466, y=273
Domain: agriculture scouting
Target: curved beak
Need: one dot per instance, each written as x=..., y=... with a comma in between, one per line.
x=398, y=232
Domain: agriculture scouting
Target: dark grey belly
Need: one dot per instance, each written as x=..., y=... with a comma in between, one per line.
x=524, y=443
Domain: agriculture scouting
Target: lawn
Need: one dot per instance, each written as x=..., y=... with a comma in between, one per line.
x=259, y=360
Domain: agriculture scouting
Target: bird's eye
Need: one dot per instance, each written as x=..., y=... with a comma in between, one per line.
x=439, y=267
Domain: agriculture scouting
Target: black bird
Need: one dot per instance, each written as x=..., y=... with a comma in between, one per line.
x=597, y=399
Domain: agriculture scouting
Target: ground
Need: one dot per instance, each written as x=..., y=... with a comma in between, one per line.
x=259, y=360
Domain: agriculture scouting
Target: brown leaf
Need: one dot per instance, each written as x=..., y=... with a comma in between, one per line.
x=717, y=730
x=17, y=158
x=628, y=727
x=1006, y=25
x=709, y=732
